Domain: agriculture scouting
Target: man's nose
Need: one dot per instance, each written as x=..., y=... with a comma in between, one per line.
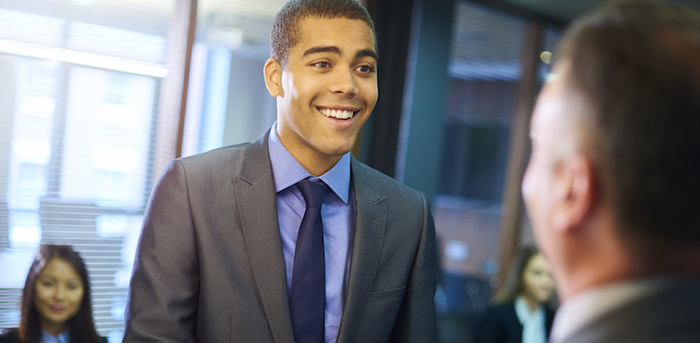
x=344, y=82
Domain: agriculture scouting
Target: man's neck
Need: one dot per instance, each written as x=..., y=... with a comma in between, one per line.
x=317, y=165
x=624, y=266
x=314, y=162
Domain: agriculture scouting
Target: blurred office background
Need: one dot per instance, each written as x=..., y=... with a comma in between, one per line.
x=97, y=95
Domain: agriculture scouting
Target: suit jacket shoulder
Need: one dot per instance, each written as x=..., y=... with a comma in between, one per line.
x=209, y=261
x=367, y=174
x=669, y=315
x=212, y=163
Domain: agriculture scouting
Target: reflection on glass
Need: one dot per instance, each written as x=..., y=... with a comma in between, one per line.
x=30, y=27
x=107, y=134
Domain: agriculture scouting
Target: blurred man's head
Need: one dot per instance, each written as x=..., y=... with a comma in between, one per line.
x=323, y=72
x=615, y=164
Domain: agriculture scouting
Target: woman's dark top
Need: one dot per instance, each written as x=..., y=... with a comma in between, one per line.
x=12, y=336
x=500, y=324
x=9, y=336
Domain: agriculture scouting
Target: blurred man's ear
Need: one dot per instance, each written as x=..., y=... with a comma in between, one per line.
x=273, y=77
x=575, y=193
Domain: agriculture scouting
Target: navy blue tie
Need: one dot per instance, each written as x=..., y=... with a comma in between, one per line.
x=308, y=294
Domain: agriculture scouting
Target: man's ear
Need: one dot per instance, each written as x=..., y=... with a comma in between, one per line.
x=575, y=192
x=273, y=77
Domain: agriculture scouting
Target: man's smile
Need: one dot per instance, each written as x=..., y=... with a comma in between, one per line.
x=338, y=113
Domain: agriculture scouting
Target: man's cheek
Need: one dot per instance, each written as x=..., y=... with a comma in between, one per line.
x=527, y=187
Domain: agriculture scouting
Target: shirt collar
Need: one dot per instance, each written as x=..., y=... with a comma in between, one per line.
x=522, y=310
x=286, y=171
x=63, y=337
x=533, y=322
x=584, y=307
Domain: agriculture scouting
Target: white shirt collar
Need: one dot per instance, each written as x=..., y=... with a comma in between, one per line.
x=584, y=307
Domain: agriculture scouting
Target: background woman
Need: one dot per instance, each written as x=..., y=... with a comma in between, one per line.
x=520, y=313
x=56, y=304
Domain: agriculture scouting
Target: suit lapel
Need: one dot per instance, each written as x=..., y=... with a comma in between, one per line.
x=371, y=219
x=257, y=205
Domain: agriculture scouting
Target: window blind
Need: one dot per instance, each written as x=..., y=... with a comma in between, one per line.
x=78, y=101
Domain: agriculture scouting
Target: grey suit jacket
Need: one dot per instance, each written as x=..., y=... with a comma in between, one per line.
x=671, y=315
x=209, y=264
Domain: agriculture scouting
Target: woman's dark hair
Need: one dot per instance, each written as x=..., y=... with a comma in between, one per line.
x=513, y=285
x=81, y=326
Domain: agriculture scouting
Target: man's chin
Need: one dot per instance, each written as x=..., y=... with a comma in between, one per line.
x=338, y=149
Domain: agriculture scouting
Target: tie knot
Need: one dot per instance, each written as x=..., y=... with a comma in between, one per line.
x=312, y=192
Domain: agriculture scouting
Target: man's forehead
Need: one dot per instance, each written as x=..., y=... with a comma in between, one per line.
x=550, y=103
x=315, y=30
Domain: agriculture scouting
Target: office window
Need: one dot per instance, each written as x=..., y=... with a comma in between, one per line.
x=485, y=79
x=228, y=102
x=485, y=69
x=85, y=93
x=79, y=98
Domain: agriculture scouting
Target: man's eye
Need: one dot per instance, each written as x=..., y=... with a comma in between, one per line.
x=322, y=64
x=366, y=68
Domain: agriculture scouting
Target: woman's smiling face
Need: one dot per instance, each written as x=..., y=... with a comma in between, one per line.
x=58, y=295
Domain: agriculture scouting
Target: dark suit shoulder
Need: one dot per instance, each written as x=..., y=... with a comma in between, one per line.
x=9, y=336
x=247, y=160
x=220, y=156
x=667, y=315
x=383, y=182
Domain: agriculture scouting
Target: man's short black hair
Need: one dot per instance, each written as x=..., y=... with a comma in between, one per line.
x=285, y=29
x=636, y=65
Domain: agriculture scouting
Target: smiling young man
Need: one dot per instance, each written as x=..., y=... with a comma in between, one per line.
x=289, y=238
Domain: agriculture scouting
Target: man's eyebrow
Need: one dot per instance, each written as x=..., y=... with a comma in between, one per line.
x=367, y=52
x=317, y=49
x=335, y=50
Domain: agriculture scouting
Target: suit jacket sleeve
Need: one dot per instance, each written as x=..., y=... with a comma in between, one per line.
x=416, y=320
x=164, y=289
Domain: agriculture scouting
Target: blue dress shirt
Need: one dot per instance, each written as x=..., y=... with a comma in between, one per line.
x=338, y=217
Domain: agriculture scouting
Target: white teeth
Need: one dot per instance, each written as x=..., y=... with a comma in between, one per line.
x=340, y=114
